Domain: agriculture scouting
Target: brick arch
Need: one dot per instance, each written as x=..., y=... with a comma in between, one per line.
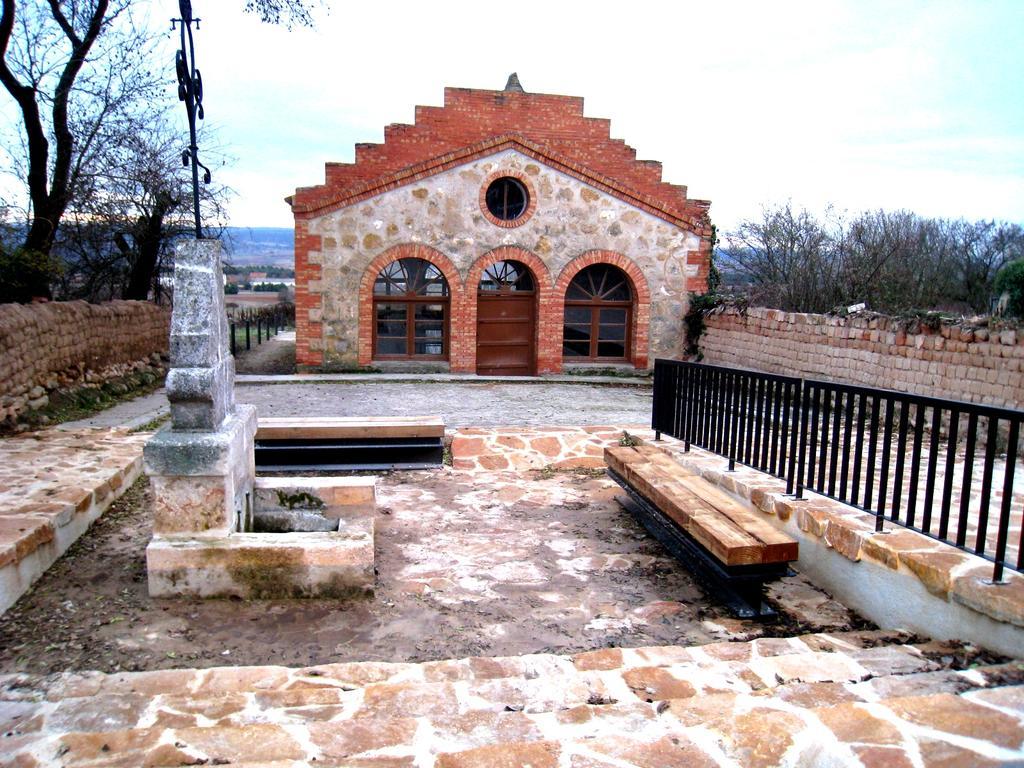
x=456, y=298
x=548, y=342
x=641, y=320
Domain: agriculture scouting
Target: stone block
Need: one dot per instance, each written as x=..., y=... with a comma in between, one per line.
x=192, y=505
x=292, y=521
x=19, y=536
x=193, y=349
x=200, y=385
x=816, y=668
x=203, y=481
x=1003, y=602
x=948, y=714
x=934, y=568
x=341, y=496
x=200, y=453
x=201, y=398
x=262, y=566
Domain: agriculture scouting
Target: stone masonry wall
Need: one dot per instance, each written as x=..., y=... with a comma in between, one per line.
x=572, y=225
x=552, y=134
x=956, y=362
x=61, y=344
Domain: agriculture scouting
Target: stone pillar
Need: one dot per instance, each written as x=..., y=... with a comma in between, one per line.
x=201, y=466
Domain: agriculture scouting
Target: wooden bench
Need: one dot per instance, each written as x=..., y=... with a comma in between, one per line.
x=349, y=443
x=728, y=547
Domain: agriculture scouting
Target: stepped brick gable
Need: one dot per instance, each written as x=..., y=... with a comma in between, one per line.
x=492, y=186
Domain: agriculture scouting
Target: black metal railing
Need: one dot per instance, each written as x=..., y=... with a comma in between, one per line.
x=943, y=468
x=248, y=326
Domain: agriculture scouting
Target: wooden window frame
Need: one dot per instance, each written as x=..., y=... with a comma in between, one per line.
x=595, y=308
x=595, y=305
x=410, y=326
x=411, y=300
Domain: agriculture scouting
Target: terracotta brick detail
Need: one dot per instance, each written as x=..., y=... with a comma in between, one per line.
x=550, y=122
x=591, y=200
x=531, y=201
x=307, y=330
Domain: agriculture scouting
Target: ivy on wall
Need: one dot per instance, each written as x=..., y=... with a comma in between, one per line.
x=700, y=305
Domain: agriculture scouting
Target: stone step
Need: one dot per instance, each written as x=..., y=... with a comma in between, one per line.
x=542, y=705
x=536, y=683
x=980, y=726
x=201, y=683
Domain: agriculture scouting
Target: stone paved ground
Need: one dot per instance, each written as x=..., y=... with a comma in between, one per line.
x=461, y=403
x=471, y=553
x=837, y=699
x=130, y=414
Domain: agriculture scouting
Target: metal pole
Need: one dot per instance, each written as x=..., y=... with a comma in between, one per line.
x=190, y=91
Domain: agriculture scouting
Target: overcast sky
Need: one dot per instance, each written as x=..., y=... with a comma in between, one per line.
x=916, y=105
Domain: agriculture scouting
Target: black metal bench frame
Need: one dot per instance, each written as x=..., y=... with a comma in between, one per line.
x=348, y=454
x=739, y=587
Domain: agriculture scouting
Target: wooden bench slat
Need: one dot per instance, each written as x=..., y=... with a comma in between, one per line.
x=327, y=427
x=724, y=527
x=716, y=533
x=779, y=547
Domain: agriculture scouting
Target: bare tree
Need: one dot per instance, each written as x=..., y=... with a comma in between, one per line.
x=286, y=12
x=785, y=256
x=891, y=260
x=74, y=67
x=118, y=237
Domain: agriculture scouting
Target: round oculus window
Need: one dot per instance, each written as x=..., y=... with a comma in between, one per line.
x=507, y=198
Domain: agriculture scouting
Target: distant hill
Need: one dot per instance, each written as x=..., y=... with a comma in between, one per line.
x=260, y=245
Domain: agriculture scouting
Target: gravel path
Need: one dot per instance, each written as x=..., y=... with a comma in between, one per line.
x=462, y=404
x=275, y=356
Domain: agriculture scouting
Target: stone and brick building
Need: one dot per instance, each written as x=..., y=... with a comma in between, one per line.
x=501, y=233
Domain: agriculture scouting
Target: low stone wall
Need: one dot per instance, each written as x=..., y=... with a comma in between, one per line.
x=53, y=486
x=897, y=579
x=953, y=361
x=526, y=448
x=65, y=344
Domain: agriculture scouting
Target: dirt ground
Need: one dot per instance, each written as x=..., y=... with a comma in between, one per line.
x=276, y=356
x=467, y=565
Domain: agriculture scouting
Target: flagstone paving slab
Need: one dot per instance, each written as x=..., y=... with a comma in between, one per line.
x=53, y=485
x=515, y=713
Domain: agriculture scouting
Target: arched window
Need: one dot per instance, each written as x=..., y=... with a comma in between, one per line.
x=506, y=276
x=410, y=310
x=598, y=310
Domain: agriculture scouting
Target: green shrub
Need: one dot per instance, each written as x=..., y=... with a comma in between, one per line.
x=1010, y=281
x=23, y=274
x=700, y=305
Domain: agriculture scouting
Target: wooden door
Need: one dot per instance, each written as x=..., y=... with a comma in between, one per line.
x=505, y=334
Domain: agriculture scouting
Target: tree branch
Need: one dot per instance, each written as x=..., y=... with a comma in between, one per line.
x=64, y=24
x=62, y=133
x=35, y=133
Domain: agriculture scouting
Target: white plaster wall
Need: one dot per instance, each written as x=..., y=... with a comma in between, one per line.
x=444, y=213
